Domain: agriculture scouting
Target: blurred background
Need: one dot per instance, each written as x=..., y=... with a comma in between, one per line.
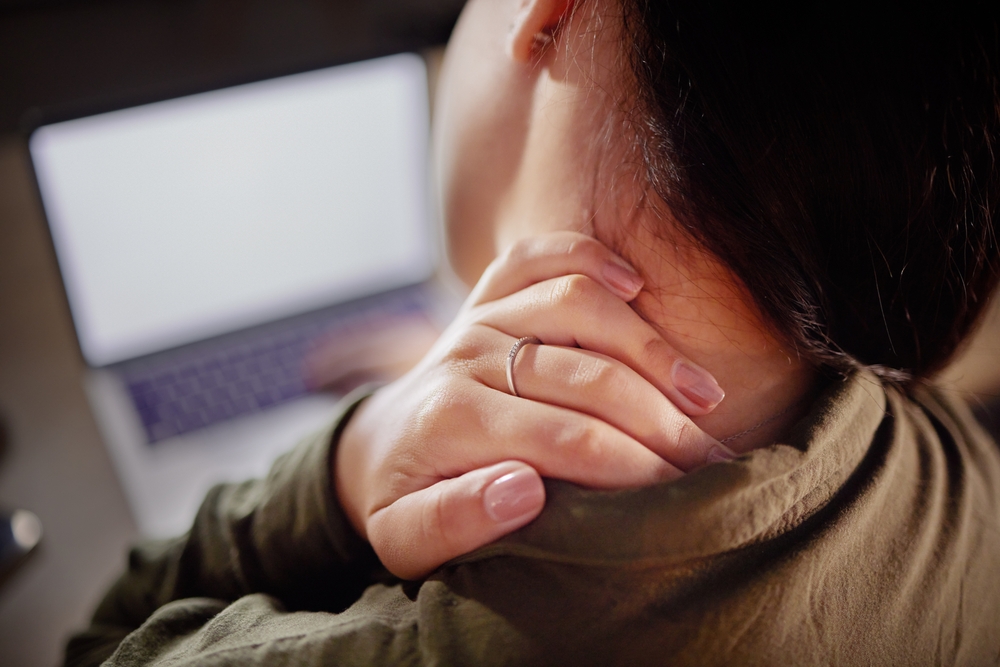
x=68, y=57
x=61, y=58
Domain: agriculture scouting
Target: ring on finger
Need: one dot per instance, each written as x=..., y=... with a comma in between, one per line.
x=512, y=357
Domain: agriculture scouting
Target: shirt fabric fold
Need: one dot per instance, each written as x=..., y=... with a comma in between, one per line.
x=869, y=535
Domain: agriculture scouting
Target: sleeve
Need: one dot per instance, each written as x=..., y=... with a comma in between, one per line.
x=284, y=536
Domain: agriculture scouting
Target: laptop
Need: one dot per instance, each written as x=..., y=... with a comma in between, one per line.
x=207, y=242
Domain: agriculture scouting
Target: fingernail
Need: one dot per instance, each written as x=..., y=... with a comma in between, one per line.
x=514, y=496
x=623, y=278
x=697, y=384
x=720, y=454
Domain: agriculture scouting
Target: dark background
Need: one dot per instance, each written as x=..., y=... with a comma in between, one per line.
x=64, y=57
x=72, y=56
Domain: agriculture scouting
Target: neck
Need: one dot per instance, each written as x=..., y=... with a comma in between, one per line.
x=706, y=314
x=690, y=297
x=703, y=311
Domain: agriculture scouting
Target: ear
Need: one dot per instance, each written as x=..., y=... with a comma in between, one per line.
x=535, y=19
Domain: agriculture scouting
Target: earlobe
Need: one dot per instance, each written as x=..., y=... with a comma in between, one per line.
x=533, y=26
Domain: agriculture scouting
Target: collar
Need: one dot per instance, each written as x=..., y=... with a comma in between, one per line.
x=718, y=508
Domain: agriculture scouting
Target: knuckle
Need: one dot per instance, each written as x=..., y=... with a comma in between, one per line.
x=678, y=432
x=574, y=248
x=578, y=247
x=466, y=346
x=683, y=432
x=470, y=348
x=584, y=249
x=576, y=289
x=579, y=440
x=443, y=399
x=579, y=285
x=655, y=348
x=520, y=251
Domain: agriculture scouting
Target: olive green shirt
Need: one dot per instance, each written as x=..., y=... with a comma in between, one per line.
x=871, y=536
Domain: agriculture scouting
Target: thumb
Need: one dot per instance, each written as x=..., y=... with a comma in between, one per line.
x=429, y=527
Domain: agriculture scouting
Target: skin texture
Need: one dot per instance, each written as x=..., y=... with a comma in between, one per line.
x=425, y=463
x=531, y=139
x=546, y=212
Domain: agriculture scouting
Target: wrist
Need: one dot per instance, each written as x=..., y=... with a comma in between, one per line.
x=348, y=465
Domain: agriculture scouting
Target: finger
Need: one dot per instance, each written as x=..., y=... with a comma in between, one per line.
x=555, y=441
x=548, y=256
x=422, y=530
x=607, y=389
x=564, y=311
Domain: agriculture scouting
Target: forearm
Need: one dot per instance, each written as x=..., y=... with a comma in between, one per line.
x=284, y=535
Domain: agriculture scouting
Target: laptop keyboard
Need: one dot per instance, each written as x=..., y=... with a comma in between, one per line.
x=198, y=387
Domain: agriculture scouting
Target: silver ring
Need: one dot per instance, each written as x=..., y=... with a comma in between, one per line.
x=512, y=357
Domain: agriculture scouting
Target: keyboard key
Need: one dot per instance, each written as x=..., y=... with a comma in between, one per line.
x=202, y=386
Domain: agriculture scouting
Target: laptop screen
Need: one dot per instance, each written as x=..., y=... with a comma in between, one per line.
x=184, y=219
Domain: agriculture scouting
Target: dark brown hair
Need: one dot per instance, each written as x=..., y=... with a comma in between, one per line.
x=840, y=163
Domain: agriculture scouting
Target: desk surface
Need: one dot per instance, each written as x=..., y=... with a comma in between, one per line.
x=55, y=464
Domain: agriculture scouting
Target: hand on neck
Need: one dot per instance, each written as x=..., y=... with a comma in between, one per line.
x=548, y=148
x=705, y=313
x=695, y=302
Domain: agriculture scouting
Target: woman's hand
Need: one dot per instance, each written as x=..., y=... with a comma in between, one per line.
x=445, y=459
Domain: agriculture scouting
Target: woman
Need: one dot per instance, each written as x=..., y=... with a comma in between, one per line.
x=745, y=464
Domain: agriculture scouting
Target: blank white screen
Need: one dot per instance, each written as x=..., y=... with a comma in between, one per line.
x=184, y=219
